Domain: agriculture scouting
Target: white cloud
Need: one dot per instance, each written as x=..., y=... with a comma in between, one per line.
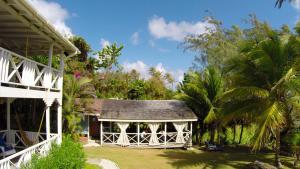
x=104, y=42
x=55, y=14
x=176, y=31
x=296, y=4
x=139, y=66
x=135, y=38
x=143, y=69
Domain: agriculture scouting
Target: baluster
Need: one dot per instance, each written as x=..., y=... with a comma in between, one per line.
x=4, y=65
x=28, y=73
x=47, y=80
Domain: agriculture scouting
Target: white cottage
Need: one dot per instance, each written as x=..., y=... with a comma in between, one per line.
x=29, y=84
x=138, y=123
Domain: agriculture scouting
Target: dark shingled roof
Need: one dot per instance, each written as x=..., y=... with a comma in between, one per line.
x=139, y=109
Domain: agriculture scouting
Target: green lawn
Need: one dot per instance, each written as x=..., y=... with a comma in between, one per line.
x=91, y=166
x=128, y=158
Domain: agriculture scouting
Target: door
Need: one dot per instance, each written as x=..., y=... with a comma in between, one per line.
x=94, y=128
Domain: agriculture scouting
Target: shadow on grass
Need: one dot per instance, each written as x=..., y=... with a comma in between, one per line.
x=229, y=158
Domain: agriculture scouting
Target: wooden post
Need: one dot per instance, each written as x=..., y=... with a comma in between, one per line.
x=101, y=133
x=165, y=134
x=8, y=101
x=59, y=123
x=138, y=130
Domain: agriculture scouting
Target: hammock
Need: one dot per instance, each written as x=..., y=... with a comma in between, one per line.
x=24, y=136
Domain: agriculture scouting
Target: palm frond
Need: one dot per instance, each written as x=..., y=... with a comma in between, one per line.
x=270, y=120
x=211, y=116
x=244, y=93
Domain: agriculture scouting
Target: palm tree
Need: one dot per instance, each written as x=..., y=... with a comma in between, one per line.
x=265, y=86
x=169, y=78
x=74, y=87
x=202, y=92
x=280, y=2
x=155, y=73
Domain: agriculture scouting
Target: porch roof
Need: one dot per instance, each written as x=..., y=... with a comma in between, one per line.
x=22, y=27
x=139, y=110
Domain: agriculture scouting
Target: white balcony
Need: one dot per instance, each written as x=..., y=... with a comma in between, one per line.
x=20, y=73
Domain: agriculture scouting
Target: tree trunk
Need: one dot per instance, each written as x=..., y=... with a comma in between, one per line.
x=234, y=133
x=219, y=137
x=212, y=133
x=277, y=149
x=197, y=131
x=297, y=158
x=241, y=134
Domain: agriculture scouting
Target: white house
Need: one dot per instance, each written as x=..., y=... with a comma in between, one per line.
x=24, y=34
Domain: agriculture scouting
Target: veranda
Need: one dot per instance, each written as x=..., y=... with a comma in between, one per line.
x=24, y=34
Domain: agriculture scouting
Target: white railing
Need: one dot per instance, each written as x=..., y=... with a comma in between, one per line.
x=19, y=71
x=143, y=138
x=24, y=156
x=15, y=138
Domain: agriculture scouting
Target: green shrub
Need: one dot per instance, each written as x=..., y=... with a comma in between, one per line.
x=65, y=156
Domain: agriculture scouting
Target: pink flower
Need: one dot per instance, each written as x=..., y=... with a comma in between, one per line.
x=77, y=75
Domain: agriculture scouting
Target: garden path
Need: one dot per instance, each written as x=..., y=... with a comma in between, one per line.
x=104, y=163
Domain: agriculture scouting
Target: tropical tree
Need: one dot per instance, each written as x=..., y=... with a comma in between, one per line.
x=74, y=87
x=202, y=92
x=265, y=85
x=83, y=46
x=108, y=56
x=92, y=64
x=169, y=78
x=137, y=90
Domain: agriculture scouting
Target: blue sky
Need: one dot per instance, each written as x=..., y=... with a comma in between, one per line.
x=152, y=30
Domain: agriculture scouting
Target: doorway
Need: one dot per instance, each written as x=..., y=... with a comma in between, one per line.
x=94, y=128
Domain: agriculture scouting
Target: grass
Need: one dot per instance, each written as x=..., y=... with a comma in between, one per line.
x=91, y=166
x=230, y=158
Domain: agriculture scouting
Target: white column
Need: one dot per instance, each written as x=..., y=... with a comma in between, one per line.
x=101, y=133
x=138, y=130
x=8, y=101
x=165, y=134
x=61, y=72
x=48, y=103
x=48, y=122
x=191, y=133
x=59, y=123
x=62, y=63
x=50, y=55
x=47, y=80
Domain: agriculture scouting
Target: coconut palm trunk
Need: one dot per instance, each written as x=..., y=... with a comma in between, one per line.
x=277, y=150
x=234, y=133
x=241, y=134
